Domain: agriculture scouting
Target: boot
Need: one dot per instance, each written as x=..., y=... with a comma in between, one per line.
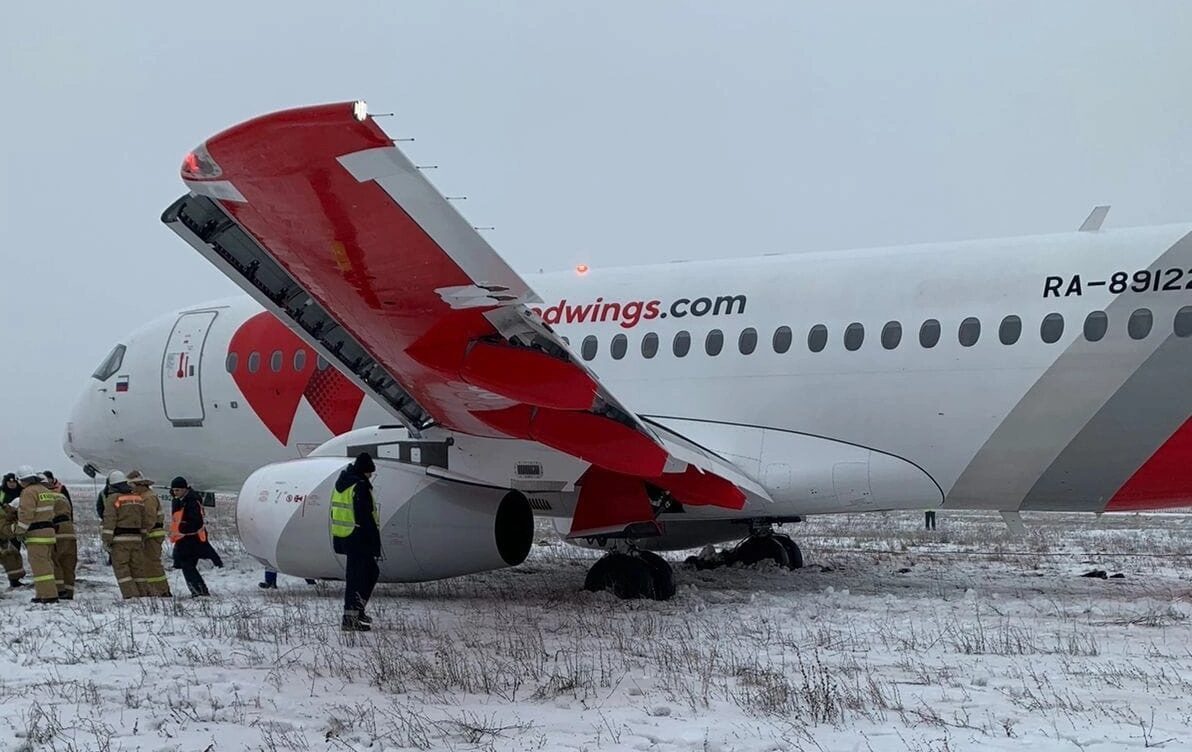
x=66, y=595
x=45, y=600
x=365, y=619
x=13, y=584
x=353, y=623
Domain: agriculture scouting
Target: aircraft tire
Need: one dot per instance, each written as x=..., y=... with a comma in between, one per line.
x=757, y=548
x=793, y=553
x=628, y=577
x=663, y=574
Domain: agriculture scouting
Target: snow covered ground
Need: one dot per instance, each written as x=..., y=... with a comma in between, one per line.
x=891, y=639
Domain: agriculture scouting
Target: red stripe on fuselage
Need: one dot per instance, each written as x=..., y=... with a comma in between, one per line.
x=1163, y=481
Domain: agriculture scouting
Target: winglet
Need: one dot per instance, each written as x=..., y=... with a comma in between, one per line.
x=1095, y=218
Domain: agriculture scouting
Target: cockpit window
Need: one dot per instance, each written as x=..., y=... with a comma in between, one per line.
x=110, y=364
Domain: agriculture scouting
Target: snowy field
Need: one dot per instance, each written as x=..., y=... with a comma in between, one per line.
x=891, y=639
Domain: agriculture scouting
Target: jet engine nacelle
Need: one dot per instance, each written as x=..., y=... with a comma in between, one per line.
x=431, y=527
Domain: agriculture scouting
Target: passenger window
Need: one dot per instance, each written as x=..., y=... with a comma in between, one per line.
x=232, y=360
x=650, y=345
x=929, y=333
x=891, y=335
x=587, y=350
x=782, y=339
x=254, y=362
x=275, y=361
x=321, y=363
x=682, y=344
x=747, y=342
x=1052, y=328
x=1010, y=330
x=817, y=338
x=714, y=342
x=854, y=335
x=566, y=341
x=618, y=346
x=299, y=360
x=970, y=332
x=1140, y=323
x=1183, y=322
x=1095, y=326
x=110, y=364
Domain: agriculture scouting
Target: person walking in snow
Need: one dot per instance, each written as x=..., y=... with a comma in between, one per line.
x=188, y=533
x=355, y=532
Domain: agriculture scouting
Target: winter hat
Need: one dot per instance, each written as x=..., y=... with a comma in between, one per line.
x=364, y=463
x=179, y=482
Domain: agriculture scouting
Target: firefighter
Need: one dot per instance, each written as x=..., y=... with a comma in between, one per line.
x=35, y=520
x=188, y=533
x=10, y=547
x=156, y=583
x=66, y=547
x=125, y=524
x=355, y=532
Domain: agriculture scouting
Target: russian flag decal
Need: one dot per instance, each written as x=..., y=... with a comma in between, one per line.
x=121, y=383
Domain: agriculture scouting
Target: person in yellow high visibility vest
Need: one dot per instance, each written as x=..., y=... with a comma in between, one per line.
x=35, y=520
x=355, y=532
x=156, y=583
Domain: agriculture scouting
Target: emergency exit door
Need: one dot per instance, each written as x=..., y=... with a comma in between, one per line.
x=181, y=369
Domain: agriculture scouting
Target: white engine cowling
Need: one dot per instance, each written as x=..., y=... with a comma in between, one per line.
x=431, y=528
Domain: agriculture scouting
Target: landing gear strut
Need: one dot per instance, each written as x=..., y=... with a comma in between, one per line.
x=632, y=574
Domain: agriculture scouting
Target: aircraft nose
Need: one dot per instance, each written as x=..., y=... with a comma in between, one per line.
x=83, y=438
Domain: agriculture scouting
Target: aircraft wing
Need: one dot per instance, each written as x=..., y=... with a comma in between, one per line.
x=318, y=214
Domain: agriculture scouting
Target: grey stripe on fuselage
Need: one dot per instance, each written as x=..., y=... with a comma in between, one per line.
x=1054, y=411
x=1125, y=432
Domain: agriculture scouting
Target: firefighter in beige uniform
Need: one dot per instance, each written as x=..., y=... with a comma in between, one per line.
x=10, y=553
x=35, y=520
x=125, y=523
x=66, y=547
x=156, y=583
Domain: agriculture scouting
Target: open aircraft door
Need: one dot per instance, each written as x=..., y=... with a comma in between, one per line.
x=181, y=369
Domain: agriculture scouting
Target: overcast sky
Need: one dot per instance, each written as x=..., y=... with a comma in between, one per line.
x=603, y=132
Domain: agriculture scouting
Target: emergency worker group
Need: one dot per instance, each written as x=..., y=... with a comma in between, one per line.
x=37, y=515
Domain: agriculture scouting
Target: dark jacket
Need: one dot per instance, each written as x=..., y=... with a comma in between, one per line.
x=100, y=499
x=190, y=549
x=8, y=494
x=365, y=540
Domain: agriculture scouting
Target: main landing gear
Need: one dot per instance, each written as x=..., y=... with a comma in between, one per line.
x=762, y=545
x=632, y=574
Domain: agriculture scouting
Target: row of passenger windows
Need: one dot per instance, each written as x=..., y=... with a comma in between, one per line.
x=277, y=360
x=1009, y=331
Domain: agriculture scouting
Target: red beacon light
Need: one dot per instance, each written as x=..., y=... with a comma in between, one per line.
x=581, y=269
x=198, y=165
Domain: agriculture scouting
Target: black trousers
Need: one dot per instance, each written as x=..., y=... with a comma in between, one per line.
x=930, y=520
x=194, y=580
x=360, y=577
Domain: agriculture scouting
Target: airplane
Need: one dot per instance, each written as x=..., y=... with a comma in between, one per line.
x=647, y=408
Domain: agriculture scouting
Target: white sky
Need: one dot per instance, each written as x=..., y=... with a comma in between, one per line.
x=604, y=132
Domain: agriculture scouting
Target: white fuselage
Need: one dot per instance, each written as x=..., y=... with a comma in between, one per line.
x=866, y=422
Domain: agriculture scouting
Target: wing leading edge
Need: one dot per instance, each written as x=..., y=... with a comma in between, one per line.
x=319, y=216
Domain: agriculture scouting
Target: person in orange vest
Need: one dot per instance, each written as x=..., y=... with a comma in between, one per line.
x=155, y=583
x=66, y=547
x=188, y=533
x=35, y=520
x=125, y=524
